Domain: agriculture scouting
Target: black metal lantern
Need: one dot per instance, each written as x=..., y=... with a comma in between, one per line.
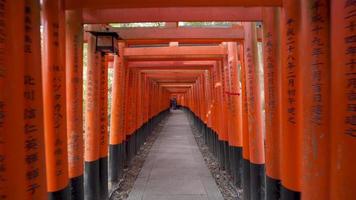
x=106, y=42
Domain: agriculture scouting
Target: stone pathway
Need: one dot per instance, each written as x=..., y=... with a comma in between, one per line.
x=175, y=169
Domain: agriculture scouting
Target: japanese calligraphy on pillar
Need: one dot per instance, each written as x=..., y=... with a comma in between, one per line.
x=291, y=70
x=270, y=79
x=33, y=117
x=58, y=88
x=318, y=63
x=250, y=80
x=103, y=106
x=74, y=81
x=350, y=64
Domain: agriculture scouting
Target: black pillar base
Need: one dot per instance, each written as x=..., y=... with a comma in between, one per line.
x=227, y=156
x=236, y=160
x=104, y=193
x=63, y=194
x=246, y=179
x=116, y=163
x=273, y=188
x=258, y=179
x=76, y=186
x=287, y=194
x=92, y=180
x=232, y=162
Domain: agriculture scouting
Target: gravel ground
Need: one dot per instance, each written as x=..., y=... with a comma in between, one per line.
x=222, y=178
x=131, y=172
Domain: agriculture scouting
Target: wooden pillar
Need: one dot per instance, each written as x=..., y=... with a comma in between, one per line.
x=253, y=89
x=92, y=125
x=272, y=80
x=129, y=112
x=116, y=147
x=33, y=111
x=103, y=114
x=315, y=86
x=236, y=112
x=22, y=173
x=222, y=131
x=343, y=110
x=74, y=81
x=225, y=75
x=245, y=131
x=291, y=102
x=54, y=91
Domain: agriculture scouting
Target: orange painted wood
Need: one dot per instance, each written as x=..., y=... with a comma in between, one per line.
x=184, y=65
x=103, y=109
x=235, y=95
x=92, y=112
x=255, y=124
x=245, y=130
x=272, y=81
x=226, y=90
x=180, y=34
x=315, y=84
x=33, y=113
x=117, y=108
x=223, y=131
x=343, y=142
x=161, y=3
x=13, y=174
x=126, y=102
x=54, y=88
x=74, y=85
x=291, y=97
x=171, y=14
x=196, y=52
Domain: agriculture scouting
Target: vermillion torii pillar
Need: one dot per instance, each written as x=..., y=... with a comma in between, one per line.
x=92, y=125
x=21, y=120
x=236, y=112
x=272, y=79
x=254, y=103
x=54, y=90
x=315, y=85
x=74, y=80
x=34, y=143
x=103, y=113
x=245, y=131
x=290, y=101
x=116, y=147
x=343, y=100
x=11, y=102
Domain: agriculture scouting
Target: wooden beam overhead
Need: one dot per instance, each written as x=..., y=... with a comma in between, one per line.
x=181, y=34
x=176, y=81
x=171, y=64
x=175, y=53
x=171, y=14
x=102, y=4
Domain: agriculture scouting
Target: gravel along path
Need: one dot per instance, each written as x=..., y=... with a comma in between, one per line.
x=131, y=172
x=222, y=178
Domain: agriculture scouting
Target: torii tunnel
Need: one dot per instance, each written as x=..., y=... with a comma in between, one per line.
x=273, y=94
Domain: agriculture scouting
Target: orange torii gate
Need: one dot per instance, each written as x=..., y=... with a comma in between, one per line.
x=306, y=142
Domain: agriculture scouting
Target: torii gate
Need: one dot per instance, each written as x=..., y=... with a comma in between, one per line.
x=305, y=150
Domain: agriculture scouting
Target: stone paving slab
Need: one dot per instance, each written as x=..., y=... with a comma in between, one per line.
x=175, y=168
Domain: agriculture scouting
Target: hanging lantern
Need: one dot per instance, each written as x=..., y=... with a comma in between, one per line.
x=106, y=42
